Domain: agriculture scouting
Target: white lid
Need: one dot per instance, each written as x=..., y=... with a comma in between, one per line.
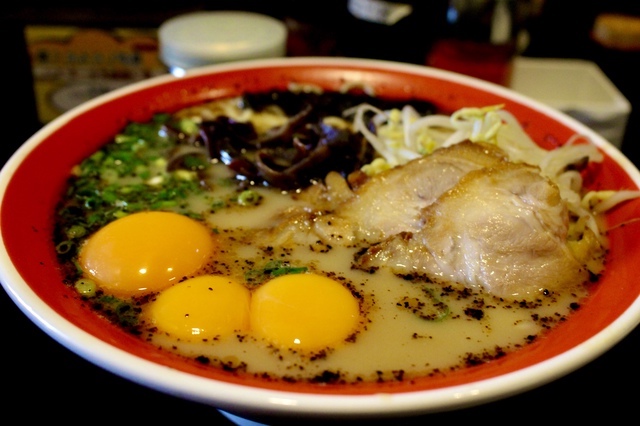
x=203, y=38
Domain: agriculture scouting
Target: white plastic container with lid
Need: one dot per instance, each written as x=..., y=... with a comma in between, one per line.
x=211, y=37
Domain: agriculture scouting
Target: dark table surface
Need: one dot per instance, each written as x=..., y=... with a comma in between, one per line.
x=43, y=380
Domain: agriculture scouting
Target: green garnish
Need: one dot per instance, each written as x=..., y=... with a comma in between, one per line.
x=187, y=126
x=124, y=313
x=249, y=197
x=429, y=308
x=86, y=287
x=272, y=269
x=194, y=162
x=124, y=177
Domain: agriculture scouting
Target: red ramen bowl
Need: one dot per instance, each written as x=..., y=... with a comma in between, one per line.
x=31, y=276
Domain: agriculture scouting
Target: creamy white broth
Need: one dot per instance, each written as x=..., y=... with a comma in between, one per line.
x=459, y=327
x=391, y=339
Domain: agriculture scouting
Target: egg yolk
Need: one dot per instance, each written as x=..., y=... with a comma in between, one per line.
x=304, y=311
x=145, y=252
x=204, y=307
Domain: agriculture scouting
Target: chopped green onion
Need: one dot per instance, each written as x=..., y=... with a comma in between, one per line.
x=272, y=269
x=65, y=247
x=429, y=308
x=86, y=287
x=249, y=198
x=188, y=126
x=76, y=231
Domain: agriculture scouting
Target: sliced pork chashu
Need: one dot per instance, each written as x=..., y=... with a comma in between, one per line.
x=390, y=202
x=503, y=229
x=386, y=204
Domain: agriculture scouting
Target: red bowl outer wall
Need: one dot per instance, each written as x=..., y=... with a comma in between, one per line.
x=26, y=216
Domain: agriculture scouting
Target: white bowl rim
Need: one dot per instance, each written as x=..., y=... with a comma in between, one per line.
x=243, y=399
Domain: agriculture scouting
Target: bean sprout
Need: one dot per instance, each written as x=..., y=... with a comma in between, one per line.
x=400, y=136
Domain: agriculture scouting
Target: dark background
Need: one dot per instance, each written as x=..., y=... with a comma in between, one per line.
x=42, y=380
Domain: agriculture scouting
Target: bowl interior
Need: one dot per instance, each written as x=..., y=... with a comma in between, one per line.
x=36, y=175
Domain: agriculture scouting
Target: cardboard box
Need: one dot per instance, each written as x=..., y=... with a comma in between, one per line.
x=71, y=65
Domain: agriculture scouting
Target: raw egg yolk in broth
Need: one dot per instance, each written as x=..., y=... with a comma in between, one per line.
x=204, y=307
x=145, y=252
x=304, y=311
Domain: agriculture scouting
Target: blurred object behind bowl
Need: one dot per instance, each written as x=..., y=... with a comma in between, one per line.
x=578, y=88
x=205, y=38
x=480, y=38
